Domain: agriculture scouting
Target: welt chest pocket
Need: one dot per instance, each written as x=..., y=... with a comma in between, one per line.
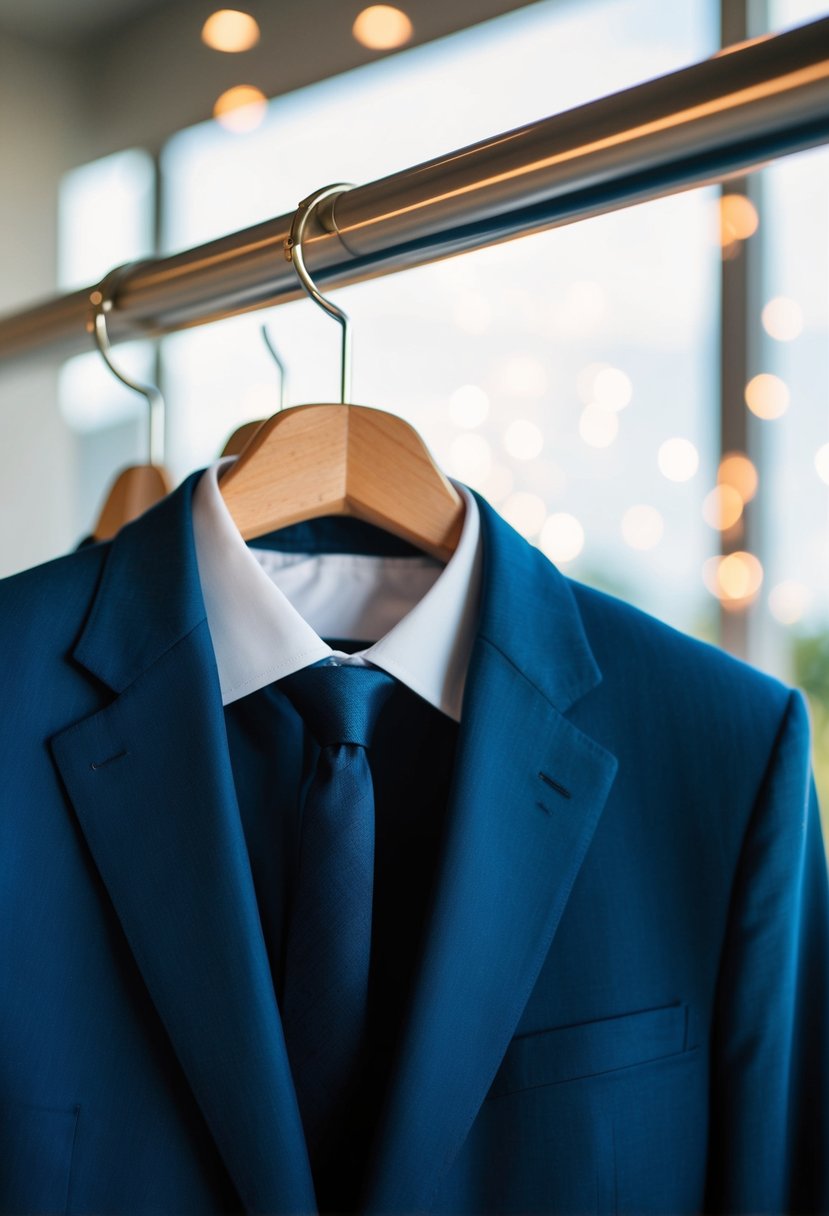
x=36, y=1144
x=567, y=1053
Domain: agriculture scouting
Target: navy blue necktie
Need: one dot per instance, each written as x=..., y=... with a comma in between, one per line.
x=328, y=944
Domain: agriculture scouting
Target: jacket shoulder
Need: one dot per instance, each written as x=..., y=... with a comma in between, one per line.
x=710, y=729
x=622, y=635
x=677, y=693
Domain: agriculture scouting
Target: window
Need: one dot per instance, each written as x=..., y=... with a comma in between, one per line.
x=570, y=376
x=788, y=332
x=106, y=217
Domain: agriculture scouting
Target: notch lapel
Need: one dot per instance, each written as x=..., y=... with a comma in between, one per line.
x=151, y=784
x=528, y=790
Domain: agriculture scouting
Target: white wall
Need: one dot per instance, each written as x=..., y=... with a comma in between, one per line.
x=39, y=99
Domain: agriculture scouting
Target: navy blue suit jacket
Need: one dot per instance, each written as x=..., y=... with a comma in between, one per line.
x=621, y=1000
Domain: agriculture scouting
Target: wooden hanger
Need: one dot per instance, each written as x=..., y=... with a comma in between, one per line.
x=314, y=460
x=130, y=494
x=139, y=487
x=340, y=459
x=241, y=436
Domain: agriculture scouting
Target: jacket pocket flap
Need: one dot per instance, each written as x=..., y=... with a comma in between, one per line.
x=565, y=1053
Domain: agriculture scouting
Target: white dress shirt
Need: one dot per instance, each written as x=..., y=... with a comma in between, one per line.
x=268, y=611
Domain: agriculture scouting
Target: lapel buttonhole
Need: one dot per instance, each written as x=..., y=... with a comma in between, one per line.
x=100, y=763
x=555, y=785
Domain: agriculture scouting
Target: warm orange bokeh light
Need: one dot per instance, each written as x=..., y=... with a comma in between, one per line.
x=767, y=396
x=230, y=30
x=738, y=219
x=241, y=108
x=737, y=470
x=722, y=507
x=381, y=27
x=735, y=579
x=740, y=575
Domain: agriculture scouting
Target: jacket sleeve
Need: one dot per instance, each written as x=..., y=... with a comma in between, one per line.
x=769, y=1107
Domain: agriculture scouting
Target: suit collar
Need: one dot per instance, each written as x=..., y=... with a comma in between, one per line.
x=150, y=596
x=259, y=636
x=183, y=562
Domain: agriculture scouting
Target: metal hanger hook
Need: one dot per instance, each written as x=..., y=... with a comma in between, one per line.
x=102, y=302
x=274, y=354
x=293, y=253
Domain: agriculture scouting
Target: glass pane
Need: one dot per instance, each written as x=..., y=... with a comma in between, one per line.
x=783, y=14
x=789, y=389
x=106, y=217
x=420, y=103
x=571, y=376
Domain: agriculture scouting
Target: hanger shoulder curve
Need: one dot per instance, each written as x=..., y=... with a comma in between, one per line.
x=133, y=492
x=291, y=469
x=393, y=480
x=314, y=460
x=239, y=439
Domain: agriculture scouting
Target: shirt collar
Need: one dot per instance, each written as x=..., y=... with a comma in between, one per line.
x=259, y=636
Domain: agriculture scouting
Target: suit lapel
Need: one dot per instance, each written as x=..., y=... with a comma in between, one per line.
x=528, y=791
x=150, y=781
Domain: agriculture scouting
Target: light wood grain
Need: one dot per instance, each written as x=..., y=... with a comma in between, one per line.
x=133, y=492
x=241, y=437
x=314, y=460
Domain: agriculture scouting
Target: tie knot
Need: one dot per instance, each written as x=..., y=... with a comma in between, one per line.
x=338, y=704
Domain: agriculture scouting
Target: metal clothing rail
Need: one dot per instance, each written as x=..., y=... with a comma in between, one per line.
x=726, y=115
